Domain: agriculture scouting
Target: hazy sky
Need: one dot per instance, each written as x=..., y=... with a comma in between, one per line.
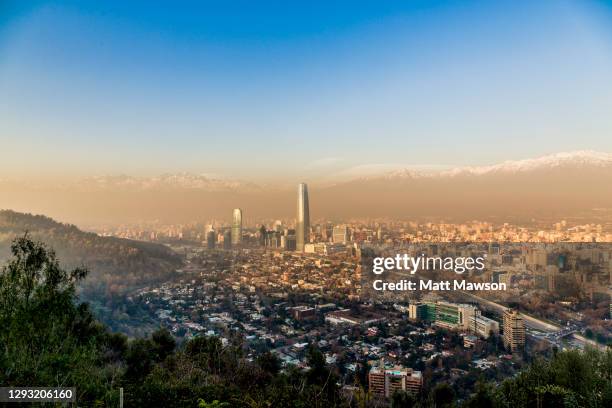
x=265, y=90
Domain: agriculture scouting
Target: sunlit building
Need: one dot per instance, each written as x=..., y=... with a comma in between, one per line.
x=303, y=218
x=236, y=226
x=483, y=326
x=514, y=331
x=386, y=382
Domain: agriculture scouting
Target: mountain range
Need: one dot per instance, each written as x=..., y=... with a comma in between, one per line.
x=560, y=184
x=580, y=159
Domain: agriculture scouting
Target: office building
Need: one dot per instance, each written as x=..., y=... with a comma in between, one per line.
x=227, y=240
x=273, y=239
x=288, y=240
x=454, y=316
x=483, y=326
x=211, y=239
x=237, y=226
x=262, y=235
x=303, y=218
x=429, y=313
x=340, y=234
x=417, y=311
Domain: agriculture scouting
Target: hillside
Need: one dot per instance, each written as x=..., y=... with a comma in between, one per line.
x=114, y=263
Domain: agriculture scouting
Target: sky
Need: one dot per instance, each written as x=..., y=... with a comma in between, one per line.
x=293, y=91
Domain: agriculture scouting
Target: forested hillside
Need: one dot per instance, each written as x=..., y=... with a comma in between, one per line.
x=114, y=264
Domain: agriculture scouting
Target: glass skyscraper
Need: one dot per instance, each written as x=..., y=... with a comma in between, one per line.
x=303, y=218
x=237, y=226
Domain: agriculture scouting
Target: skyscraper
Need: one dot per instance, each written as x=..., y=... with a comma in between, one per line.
x=211, y=239
x=227, y=240
x=514, y=331
x=303, y=218
x=237, y=226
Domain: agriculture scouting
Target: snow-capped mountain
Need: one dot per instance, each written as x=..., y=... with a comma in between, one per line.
x=178, y=181
x=562, y=183
x=579, y=158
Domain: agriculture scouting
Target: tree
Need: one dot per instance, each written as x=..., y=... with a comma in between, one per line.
x=443, y=395
x=570, y=378
x=48, y=338
x=163, y=342
x=269, y=363
x=484, y=397
x=402, y=400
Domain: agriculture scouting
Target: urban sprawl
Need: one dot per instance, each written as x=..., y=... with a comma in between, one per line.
x=284, y=285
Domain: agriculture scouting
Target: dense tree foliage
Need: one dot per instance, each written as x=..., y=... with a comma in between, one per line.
x=46, y=339
x=569, y=379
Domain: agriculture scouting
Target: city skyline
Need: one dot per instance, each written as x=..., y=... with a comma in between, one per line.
x=269, y=93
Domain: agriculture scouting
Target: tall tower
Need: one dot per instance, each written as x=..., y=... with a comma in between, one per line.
x=236, y=226
x=302, y=233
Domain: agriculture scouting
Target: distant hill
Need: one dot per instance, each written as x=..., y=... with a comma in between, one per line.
x=114, y=263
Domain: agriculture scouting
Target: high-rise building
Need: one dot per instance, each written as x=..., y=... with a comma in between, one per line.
x=211, y=239
x=386, y=382
x=514, y=331
x=237, y=226
x=288, y=240
x=340, y=234
x=273, y=239
x=303, y=218
x=376, y=380
x=263, y=234
x=227, y=240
